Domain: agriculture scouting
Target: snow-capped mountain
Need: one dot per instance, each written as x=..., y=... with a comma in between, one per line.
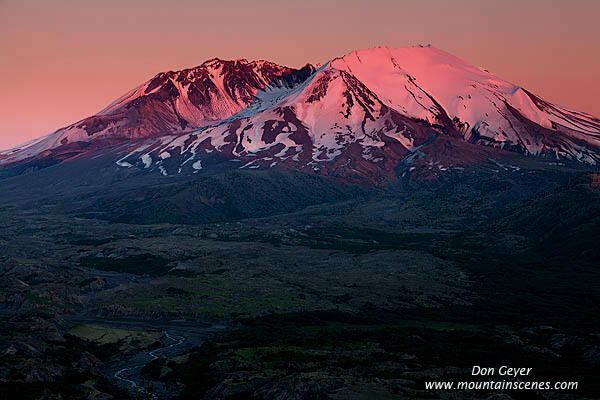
x=357, y=117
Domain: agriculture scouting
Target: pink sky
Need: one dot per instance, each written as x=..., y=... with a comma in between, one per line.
x=62, y=63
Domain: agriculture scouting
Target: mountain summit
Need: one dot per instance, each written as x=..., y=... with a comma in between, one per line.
x=365, y=117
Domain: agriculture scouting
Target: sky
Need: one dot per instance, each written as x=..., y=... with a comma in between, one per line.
x=62, y=61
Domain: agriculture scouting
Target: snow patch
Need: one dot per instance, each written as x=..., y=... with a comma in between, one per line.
x=147, y=160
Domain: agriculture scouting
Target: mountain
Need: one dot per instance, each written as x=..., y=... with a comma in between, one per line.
x=366, y=118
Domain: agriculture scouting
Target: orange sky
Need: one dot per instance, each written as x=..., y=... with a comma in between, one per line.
x=64, y=62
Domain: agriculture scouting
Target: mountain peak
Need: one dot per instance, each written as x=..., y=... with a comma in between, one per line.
x=358, y=117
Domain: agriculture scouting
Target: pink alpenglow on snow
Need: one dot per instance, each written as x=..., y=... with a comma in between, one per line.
x=357, y=116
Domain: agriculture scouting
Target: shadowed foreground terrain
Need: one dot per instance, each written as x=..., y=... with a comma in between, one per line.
x=308, y=290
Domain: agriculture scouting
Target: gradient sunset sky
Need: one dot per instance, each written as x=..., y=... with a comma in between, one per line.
x=62, y=60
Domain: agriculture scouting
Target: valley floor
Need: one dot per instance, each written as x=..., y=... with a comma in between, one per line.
x=366, y=298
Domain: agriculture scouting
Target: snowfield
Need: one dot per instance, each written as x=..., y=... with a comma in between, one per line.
x=363, y=112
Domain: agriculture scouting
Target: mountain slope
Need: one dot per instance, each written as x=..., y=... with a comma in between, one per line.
x=170, y=103
x=358, y=118
x=428, y=83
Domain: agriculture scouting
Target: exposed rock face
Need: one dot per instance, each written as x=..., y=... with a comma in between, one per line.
x=357, y=118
